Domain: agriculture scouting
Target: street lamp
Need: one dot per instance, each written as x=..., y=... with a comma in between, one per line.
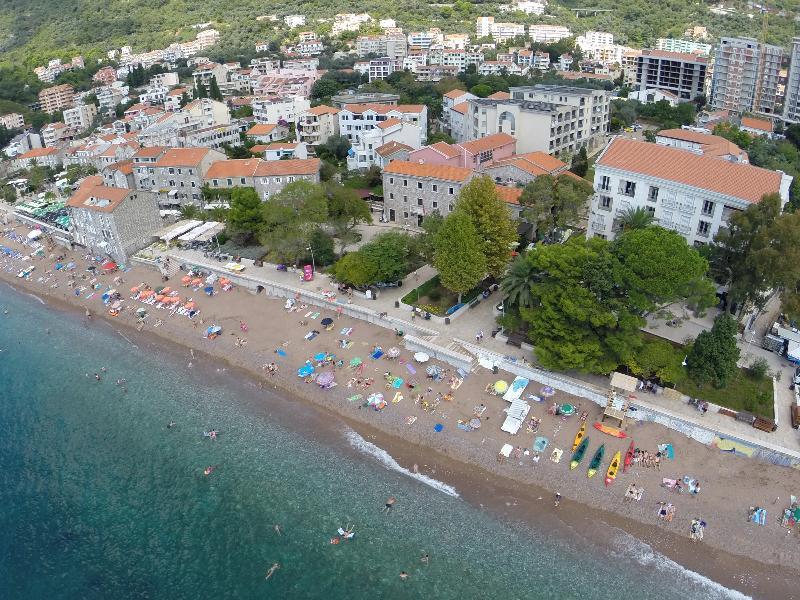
x=313, y=266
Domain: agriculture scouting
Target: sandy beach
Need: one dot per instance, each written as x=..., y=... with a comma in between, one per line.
x=759, y=560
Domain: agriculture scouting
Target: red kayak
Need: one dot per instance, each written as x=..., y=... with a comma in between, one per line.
x=628, y=458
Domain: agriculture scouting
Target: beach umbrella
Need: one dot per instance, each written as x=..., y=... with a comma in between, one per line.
x=326, y=378
x=567, y=410
x=547, y=391
x=134, y=289
x=141, y=311
x=475, y=422
x=500, y=386
x=209, y=289
x=109, y=266
x=393, y=352
x=433, y=370
x=159, y=289
x=354, y=362
x=326, y=321
x=186, y=280
x=320, y=356
x=197, y=281
x=147, y=293
x=421, y=357
x=190, y=305
x=166, y=290
x=375, y=398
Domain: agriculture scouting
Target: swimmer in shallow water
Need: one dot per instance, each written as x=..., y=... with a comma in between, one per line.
x=171, y=424
x=278, y=529
x=272, y=569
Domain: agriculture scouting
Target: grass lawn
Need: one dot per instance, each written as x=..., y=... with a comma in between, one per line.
x=744, y=392
x=433, y=297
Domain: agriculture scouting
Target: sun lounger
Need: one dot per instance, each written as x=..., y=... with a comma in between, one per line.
x=506, y=450
x=516, y=416
x=311, y=335
x=346, y=331
x=377, y=354
x=516, y=389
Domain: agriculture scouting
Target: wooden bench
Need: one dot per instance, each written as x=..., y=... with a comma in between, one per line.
x=795, y=410
x=764, y=424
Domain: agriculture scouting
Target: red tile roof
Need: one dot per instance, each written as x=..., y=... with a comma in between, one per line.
x=382, y=109
x=446, y=149
x=453, y=94
x=392, y=147
x=737, y=180
x=90, y=195
x=759, y=124
x=322, y=109
x=500, y=96
x=461, y=108
x=294, y=166
x=509, y=194
x=389, y=123
x=261, y=129
x=149, y=152
x=238, y=167
x=182, y=157
x=38, y=152
x=443, y=172
x=489, y=142
x=712, y=145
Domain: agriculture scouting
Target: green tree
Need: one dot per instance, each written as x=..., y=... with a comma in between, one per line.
x=322, y=246
x=659, y=267
x=580, y=163
x=490, y=217
x=517, y=283
x=580, y=317
x=459, y=257
x=190, y=211
x=201, y=91
x=9, y=194
x=291, y=216
x=481, y=90
x=393, y=252
x=636, y=218
x=734, y=134
x=347, y=210
x=325, y=87
x=553, y=203
x=213, y=89
x=356, y=269
x=427, y=240
x=245, y=220
x=185, y=99
x=714, y=354
x=658, y=358
x=334, y=149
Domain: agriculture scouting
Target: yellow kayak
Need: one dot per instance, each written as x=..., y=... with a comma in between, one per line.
x=611, y=474
x=579, y=436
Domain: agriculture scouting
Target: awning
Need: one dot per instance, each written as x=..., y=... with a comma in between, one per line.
x=624, y=382
x=193, y=234
x=170, y=233
x=35, y=234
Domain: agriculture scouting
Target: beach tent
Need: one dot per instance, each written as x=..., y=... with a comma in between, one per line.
x=35, y=234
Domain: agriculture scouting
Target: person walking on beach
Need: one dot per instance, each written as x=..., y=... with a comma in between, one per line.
x=390, y=501
x=557, y=500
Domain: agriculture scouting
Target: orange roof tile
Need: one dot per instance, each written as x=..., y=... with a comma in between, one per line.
x=453, y=94
x=712, y=145
x=509, y=194
x=262, y=129
x=149, y=152
x=443, y=172
x=489, y=142
x=737, y=180
x=124, y=166
x=461, y=108
x=101, y=198
x=182, y=157
x=282, y=145
x=389, y=123
x=38, y=152
x=446, y=149
x=542, y=160
x=295, y=166
x=392, y=147
x=258, y=148
x=760, y=124
x=237, y=167
x=322, y=109
x=500, y=96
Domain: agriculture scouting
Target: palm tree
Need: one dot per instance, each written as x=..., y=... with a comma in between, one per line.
x=636, y=218
x=516, y=284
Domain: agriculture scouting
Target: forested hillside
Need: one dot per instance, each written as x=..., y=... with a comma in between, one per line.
x=33, y=31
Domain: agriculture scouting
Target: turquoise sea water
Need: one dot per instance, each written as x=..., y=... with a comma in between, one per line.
x=100, y=500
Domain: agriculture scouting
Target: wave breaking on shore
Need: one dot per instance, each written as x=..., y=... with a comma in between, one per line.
x=386, y=459
x=633, y=548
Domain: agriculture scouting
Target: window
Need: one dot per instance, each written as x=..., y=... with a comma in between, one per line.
x=419, y=185
x=605, y=202
x=277, y=180
x=405, y=215
x=451, y=191
x=405, y=199
x=708, y=208
x=405, y=182
x=171, y=171
x=703, y=227
x=180, y=171
x=652, y=193
x=290, y=178
x=194, y=184
x=230, y=181
x=627, y=188
x=435, y=187
x=419, y=201
x=435, y=204
x=242, y=180
x=450, y=207
x=391, y=179
x=391, y=196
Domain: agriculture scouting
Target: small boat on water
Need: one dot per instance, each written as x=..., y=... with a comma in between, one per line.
x=579, y=436
x=613, y=468
x=610, y=430
x=596, y=460
x=628, y=458
x=579, y=453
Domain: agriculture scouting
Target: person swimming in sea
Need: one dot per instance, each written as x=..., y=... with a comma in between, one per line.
x=272, y=569
x=171, y=424
x=390, y=501
x=277, y=529
x=209, y=470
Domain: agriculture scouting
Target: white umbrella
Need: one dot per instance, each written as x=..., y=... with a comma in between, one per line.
x=421, y=357
x=393, y=352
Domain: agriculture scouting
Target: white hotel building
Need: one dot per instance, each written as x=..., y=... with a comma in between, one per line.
x=692, y=194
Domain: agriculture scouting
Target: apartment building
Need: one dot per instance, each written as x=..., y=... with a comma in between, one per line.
x=81, y=117
x=293, y=21
x=412, y=190
x=449, y=101
x=543, y=118
x=474, y=154
x=791, y=98
x=55, y=134
x=112, y=221
x=176, y=175
x=381, y=68
x=548, y=34
x=687, y=46
x=283, y=150
x=355, y=119
x=425, y=39
x=692, y=194
x=311, y=48
x=461, y=59
x=349, y=22
x=316, y=125
x=57, y=98
x=757, y=127
x=592, y=40
x=682, y=74
x=340, y=100
x=44, y=157
x=265, y=133
x=12, y=121
x=266, y=177
x=363, y=153
x=746, y=76
x=500, y=32
x=205, y=72
x=522, y=169
x=392, y=46
x=279, y=109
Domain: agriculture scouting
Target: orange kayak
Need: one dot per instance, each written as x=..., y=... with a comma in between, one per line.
x=610, y=430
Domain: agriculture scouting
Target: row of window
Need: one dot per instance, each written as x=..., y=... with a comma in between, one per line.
x=420, y=202
x=434, y=186
x=243, y=180
x=628, y=188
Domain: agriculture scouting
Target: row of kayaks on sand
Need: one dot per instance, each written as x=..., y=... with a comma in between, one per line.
x=581, y=445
